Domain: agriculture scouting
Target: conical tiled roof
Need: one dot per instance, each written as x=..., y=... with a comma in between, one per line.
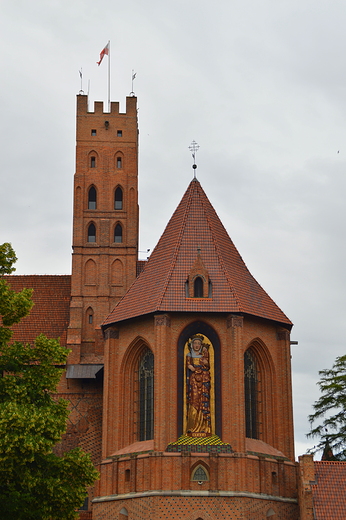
x=195, y=229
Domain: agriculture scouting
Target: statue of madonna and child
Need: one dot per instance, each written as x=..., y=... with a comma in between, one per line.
x=198, y=388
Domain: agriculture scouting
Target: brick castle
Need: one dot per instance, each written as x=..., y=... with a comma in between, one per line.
x=179, y=377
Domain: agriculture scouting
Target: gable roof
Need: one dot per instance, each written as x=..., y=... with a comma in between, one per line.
x=195, y=227
x=328, y=490
x=51, y=311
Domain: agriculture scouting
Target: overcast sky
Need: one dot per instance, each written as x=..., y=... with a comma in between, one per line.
x=259, y=85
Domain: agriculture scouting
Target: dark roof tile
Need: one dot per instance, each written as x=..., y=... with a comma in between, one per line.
x=329, y=490
x=50, y=313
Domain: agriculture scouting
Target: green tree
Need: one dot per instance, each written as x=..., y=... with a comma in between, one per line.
x=34, y=482
x=330, y=410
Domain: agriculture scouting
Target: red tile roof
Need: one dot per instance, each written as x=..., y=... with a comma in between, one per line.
x=161, y=286
x=51, y=310
x=329, y=490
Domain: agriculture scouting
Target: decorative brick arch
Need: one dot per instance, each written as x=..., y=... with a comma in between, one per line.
x=117, y=272
x=201, y=463
x=90, y=272
x=128, y=369
x=202, y=327
x=199, y=514
x=266, y=369
x=93, y=154
x=118, y=156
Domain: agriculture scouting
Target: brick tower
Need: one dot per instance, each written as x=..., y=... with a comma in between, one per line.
x=197, y=406
x=104, y=258
x=105, y=221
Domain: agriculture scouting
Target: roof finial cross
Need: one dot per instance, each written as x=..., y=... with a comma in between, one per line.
x=193, y=148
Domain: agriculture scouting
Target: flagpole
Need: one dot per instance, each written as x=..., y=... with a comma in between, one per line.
x=109, y=75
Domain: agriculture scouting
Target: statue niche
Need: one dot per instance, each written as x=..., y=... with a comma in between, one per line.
x=199, y=400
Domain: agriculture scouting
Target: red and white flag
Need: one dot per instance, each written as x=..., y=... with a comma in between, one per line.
x=102, y=53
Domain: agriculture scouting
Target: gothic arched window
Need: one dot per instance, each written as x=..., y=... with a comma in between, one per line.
x=200, y=474
x=251, y=394
x=118, y=234
x=198, y=287
x=145, y=418
x=91, y=233
x=92, y=198
x=118, y=199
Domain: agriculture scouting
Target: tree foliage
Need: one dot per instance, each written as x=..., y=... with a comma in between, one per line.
x=34, y=482
x=330, y=410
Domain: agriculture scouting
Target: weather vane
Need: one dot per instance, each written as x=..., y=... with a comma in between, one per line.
x=193, y=148
x=133, y=77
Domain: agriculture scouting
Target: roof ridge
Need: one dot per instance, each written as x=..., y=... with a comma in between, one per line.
x=217, y=248
x=178, y=241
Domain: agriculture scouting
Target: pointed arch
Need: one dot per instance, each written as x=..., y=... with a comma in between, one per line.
x=200, y=472
x=91, y=232
x=118, y=198
x=212, y=338
x=118, y=233
x=119, y=160
x=90, y=272
x=137, y=371
x=117, y=272
x=89, y=316
x=92, y=159
x=92, y=197
x=89, y=325
x=259, y=382
x=123, y=514
x=199, y=514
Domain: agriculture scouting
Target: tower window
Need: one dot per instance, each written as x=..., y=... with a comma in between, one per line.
x=198, y=287
x=118, y=199
x=92, y=198
x=91, y=233
x=146, y=395
x=93, y=132
x=93, y=162
x=90, y=318
x=119, y=133
x=251, y=395
x=119, y=162
x=118, y=234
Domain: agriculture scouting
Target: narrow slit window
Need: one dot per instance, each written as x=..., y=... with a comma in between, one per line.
x=146, y=395
x=93, y=162
x=119, y=133
x=93, y=131
x=119, y=162
x=118, y=199
x=92, y=198
x=251, y=395
x=91, y=233
x=118, y=234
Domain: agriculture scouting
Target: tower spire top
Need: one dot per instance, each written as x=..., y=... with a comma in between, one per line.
x=194, y=148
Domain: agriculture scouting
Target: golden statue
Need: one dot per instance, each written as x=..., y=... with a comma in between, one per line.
x=198, y=382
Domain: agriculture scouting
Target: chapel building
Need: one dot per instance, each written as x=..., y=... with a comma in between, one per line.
x=179, y=377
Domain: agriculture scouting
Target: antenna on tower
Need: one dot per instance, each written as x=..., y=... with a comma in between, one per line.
x=193, y=149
